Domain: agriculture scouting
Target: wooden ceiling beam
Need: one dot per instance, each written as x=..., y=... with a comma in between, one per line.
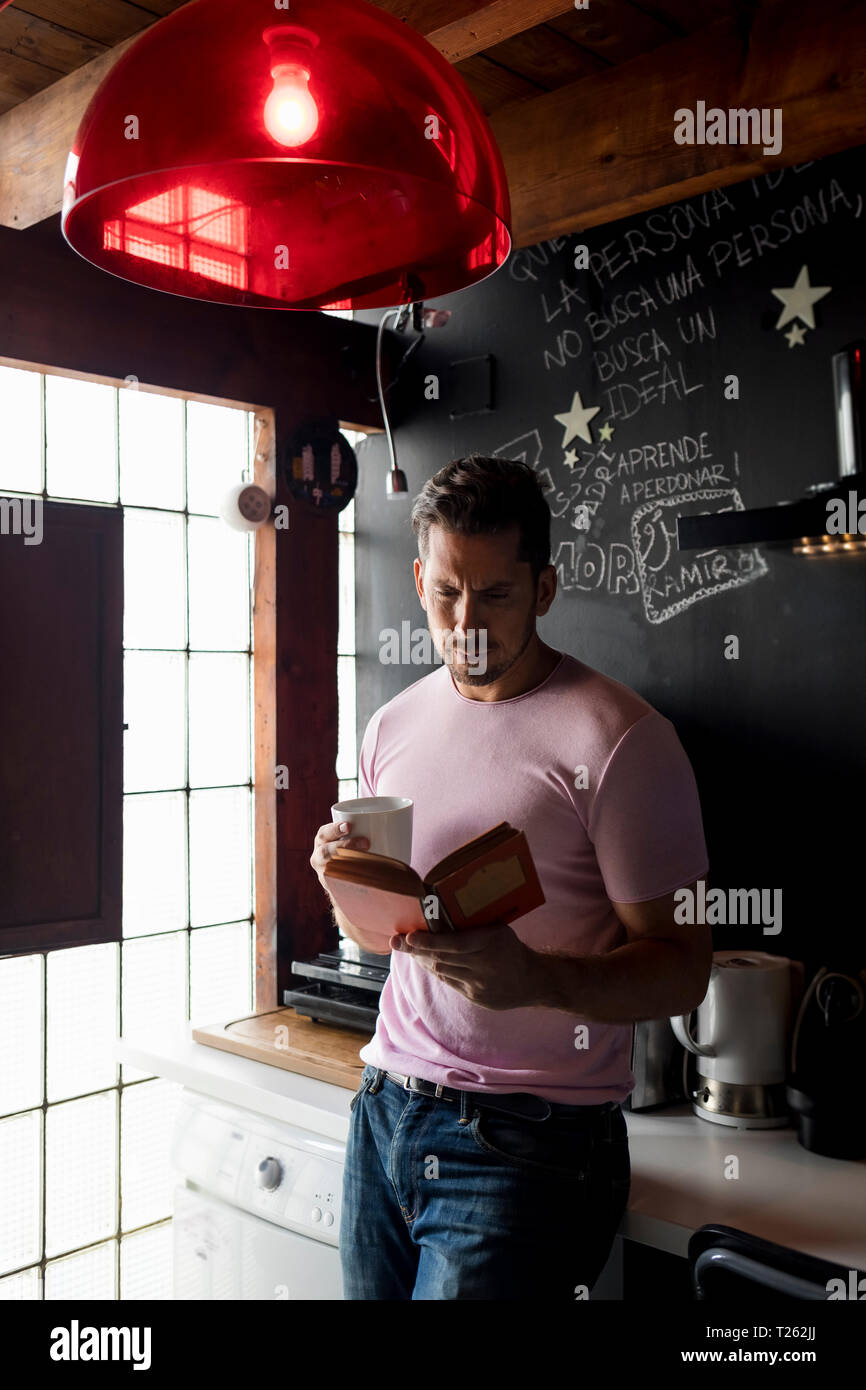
x=458, y=29
x=599, y=149
x=37, y=134
x=36, y=137
x=603, y=148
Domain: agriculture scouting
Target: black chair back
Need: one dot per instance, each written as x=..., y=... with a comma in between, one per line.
x=730, y=1266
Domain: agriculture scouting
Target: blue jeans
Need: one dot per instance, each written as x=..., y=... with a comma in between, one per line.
x=451, y=1199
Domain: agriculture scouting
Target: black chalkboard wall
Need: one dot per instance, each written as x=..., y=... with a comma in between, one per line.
x=674, y=302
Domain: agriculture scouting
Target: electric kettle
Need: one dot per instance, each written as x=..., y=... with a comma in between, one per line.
x=741, y=1039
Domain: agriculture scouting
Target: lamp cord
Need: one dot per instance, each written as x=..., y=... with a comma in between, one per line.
x=402, y=312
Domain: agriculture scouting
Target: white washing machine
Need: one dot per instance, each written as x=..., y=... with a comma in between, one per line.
x=256, y=1208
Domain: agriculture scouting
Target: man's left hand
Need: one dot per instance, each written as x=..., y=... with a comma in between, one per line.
x=489, y=965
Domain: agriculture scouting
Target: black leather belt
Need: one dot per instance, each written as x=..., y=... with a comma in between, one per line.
x=512, y=1102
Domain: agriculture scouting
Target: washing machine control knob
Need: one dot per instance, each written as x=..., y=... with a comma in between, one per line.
x=269, y=1174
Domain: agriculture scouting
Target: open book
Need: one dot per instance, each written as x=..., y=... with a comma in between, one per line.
x=489, y=879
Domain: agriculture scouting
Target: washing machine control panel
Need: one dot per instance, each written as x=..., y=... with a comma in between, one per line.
x=291, y=1184
x=281, y=1173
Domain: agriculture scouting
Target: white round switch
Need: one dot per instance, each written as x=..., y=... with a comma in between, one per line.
x=269, y=1174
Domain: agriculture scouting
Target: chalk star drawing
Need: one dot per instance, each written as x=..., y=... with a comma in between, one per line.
x=576, y=420
x=606, y=433
x=795, y=335
x=571, y=459
x=799, y=299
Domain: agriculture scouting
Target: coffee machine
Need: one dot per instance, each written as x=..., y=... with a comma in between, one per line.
x=828, y=1054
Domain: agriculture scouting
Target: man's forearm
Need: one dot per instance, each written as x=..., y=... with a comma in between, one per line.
x=642, y=980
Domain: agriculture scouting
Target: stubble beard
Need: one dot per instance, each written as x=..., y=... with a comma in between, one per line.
x=468, y=675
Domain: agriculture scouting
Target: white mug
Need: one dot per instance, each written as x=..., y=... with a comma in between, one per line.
x=386, y=821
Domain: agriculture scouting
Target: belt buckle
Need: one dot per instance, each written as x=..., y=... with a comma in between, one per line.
x=415, y=1090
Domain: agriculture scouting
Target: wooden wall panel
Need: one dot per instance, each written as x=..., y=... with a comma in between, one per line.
x=61, y=716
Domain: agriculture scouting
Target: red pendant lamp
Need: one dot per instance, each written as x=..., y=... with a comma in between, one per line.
x=336, y=160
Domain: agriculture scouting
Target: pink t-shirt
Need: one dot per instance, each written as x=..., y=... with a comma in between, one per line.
x=634, y=832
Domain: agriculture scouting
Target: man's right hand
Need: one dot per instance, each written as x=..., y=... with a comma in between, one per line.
x=328, y=837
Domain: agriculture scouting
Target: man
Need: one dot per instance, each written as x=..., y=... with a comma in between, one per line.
x=488, y=1152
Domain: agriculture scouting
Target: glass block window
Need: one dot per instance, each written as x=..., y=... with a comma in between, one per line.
x=146, y=1263
x=89, y=1274
x=347, y=745
x=84, y=1144
x=21, y=1287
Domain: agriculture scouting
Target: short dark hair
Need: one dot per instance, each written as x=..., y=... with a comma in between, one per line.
x=481, y=496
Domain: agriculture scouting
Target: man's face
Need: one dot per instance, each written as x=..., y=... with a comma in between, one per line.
x=481, y=602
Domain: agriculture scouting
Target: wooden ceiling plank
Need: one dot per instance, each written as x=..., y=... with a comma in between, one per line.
x=626, y=160
x=20, y=77
x=493, y=85
x=439, y=16
x=105, y=21
x=688, y=16
x=36, y=137
x=491, y=24
x=543, y=56
x=426, y=15
x=614, y=30
x=163, y=7
x=26, y=36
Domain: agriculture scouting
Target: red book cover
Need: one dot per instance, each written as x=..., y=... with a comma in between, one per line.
x=490, y=879
x=498, y=886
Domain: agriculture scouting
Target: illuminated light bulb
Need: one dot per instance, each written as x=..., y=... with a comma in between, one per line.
x=291, y=115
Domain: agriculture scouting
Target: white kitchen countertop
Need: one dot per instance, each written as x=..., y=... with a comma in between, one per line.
x=783, y=1193
x=266, y=1090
